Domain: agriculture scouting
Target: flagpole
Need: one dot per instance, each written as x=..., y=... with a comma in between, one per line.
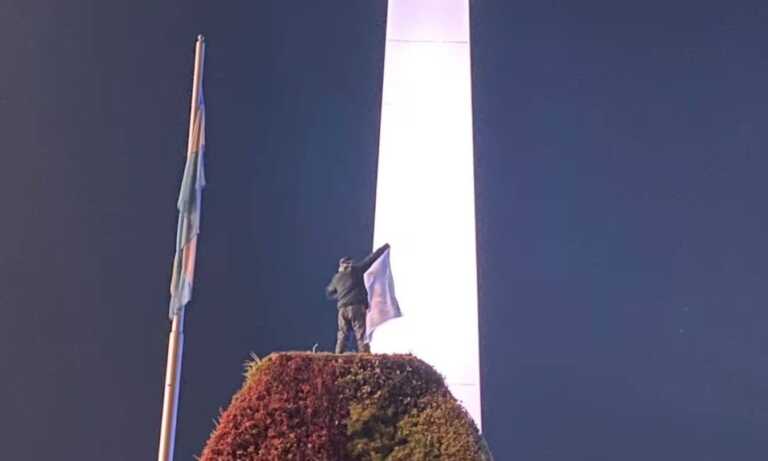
x=176, y=336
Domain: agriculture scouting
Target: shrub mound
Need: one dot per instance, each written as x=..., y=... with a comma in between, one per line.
x=320, y=406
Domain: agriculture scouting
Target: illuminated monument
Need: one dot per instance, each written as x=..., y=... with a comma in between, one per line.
x=425, y=191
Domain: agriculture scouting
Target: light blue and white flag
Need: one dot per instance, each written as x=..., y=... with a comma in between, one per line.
x=382, y=303
x=189, y=205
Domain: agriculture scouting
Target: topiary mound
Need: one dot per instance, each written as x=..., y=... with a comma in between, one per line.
x=319, y=406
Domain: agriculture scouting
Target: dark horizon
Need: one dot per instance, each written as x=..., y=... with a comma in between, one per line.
x=620, y=155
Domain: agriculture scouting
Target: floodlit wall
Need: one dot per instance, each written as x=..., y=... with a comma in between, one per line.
x=425, y=191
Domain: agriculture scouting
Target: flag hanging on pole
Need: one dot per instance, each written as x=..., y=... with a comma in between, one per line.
x=382, y=303
x=189, y=205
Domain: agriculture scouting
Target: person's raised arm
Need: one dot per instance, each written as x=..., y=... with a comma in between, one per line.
x=366, y=263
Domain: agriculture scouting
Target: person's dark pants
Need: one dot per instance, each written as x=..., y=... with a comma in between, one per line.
x=352, y=317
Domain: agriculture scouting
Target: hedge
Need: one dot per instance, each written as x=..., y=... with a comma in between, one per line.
x=342, y=407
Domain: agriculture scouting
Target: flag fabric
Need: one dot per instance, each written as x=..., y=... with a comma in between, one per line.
x=382, y=303
x=189, y=205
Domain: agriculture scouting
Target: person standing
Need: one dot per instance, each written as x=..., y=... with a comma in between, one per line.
x=347, y=287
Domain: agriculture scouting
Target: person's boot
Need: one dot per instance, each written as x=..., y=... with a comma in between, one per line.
x=340, y=343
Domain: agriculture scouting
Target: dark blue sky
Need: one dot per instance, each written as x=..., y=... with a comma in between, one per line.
x=620, y=154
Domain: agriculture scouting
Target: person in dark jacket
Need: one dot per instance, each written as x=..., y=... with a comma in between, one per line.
x=348, y=289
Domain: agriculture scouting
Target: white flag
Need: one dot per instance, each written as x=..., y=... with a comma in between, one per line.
x=382, y=303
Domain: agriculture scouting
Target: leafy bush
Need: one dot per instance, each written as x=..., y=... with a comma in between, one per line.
x=318, y=406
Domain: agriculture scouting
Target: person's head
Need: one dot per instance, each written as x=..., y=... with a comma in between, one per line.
x=345, y=263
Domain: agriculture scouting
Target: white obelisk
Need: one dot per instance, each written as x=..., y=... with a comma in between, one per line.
x=425, y=191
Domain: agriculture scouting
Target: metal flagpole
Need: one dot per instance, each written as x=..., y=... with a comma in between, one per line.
x=176, y=336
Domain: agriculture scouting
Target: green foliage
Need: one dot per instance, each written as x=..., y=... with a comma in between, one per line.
x=320, y=406
x=439, y=430
x=381, y=392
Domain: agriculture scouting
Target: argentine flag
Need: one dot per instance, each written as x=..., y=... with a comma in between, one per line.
x=382, y=303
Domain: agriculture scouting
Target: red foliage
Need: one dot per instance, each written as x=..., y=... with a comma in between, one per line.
x=330, y=407
x=286, y=411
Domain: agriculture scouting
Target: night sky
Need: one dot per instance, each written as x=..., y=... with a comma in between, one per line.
x=620, y=151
